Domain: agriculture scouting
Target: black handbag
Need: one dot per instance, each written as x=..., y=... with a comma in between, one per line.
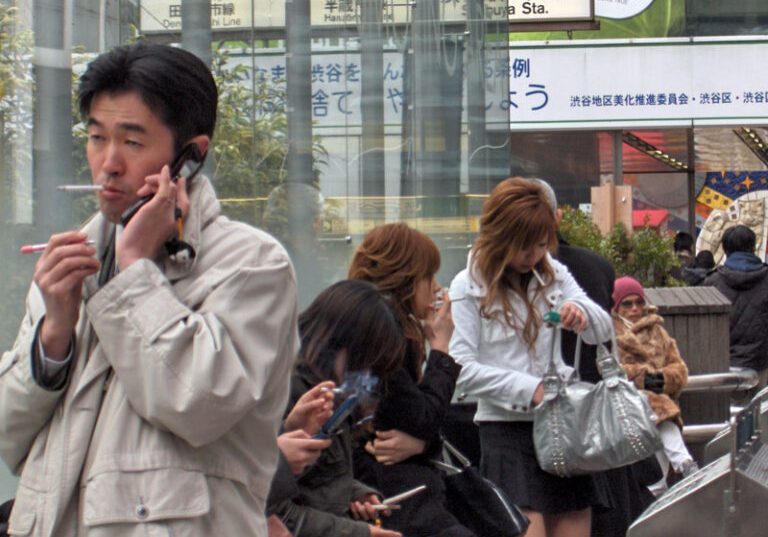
x=477, y=502
x=5, y=515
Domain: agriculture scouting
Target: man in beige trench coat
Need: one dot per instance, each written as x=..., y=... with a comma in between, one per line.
x=143, y=393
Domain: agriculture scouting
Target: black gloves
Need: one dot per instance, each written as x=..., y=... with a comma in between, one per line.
x=654, y=382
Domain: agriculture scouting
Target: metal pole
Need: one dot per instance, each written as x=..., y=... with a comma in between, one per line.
x=196, y=28
x=618, y=158
x=299, y=90
x=372, y=100
x=691, y=183
x=478, y=165
x=196, y=38
x=52, y=138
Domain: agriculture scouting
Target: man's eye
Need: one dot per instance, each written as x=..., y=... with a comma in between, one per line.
x=95, y=137
x=133, y=143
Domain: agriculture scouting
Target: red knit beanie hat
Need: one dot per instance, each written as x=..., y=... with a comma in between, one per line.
x=623, y=287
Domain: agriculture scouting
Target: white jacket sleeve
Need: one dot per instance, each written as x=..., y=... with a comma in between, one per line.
x=506, y=388
x=599, y=321
x=198, y=372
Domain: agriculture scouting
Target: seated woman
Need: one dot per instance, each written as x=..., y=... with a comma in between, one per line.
x=348, y=328
x=402, y=262
x=651, y=359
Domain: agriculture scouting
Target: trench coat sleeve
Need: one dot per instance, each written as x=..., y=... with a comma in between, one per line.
x=197, y=373
x=316, y=523
x=25, y=406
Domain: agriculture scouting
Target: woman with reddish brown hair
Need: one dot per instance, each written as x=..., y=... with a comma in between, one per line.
x=402, y=263
x=501, y=342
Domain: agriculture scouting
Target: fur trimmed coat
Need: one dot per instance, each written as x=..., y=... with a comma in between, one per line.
x=645, y=346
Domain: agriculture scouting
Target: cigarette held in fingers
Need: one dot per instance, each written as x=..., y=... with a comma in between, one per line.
x=34, y=248
x=80, y=188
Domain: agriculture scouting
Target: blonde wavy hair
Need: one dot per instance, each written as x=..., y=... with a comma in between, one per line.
x=516, y=217
x=396, y=257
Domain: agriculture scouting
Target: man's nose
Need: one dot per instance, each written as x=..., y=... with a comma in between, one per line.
x=113, y=163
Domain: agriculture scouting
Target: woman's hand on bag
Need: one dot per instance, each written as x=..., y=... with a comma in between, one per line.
x=300, y=450
x=312, y=409
x=538, y=394
x=572, y=318
x=438, y=326
x=394, y=446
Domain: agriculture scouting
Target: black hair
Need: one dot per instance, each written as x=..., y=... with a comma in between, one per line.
x=739, y=239
x=683, y=242
x=351, y=316
x=175, y=84
x=704, y=259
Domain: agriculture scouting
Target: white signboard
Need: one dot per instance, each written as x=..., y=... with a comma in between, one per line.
x=620, y=9
x=165, y=15
x=549, y=10
x=676, y=82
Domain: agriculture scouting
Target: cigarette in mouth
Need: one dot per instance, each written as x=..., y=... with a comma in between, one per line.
x=80, y=188
x=439, y=303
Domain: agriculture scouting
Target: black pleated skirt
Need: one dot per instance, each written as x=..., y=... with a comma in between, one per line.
x=508, y=459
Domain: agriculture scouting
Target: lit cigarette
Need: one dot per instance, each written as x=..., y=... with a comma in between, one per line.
x=439, y=303
x=34, y=248
x=80, y=188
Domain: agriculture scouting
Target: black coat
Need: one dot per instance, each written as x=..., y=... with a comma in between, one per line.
x=748, y=293
x=417, y=408
x=628, y=496
x=316, y=503
x=595, y=275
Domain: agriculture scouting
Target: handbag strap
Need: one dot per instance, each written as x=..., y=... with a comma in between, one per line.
x=608, y=364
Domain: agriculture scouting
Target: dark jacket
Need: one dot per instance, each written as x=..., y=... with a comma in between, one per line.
x=320, y=503
x=595, y=275
x=693, y=276
x=417, y=408
x=748, y=292
x=628, y=498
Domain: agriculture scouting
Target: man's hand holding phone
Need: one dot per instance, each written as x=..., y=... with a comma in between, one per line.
x=155, y=222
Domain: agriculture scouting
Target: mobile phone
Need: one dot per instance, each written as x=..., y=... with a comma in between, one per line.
x=333, y=423
x=186, y=164
x=389, y=503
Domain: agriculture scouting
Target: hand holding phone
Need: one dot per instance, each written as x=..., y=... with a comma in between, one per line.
x=186, y=164
x=393, y=501
x=332, y=425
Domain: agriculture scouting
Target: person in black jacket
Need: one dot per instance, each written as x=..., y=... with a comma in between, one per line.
x=402, y=262
x=743, y=279
x=627, y=495
x=349, y=328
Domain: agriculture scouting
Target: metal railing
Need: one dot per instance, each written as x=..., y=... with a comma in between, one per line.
x=736, y=379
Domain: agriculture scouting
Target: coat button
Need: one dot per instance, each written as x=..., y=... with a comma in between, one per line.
x=142, y=512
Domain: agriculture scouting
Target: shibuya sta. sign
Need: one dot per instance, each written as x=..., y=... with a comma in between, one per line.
x=159, y=16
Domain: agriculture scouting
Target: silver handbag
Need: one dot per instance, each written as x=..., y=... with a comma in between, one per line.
x=581, y=428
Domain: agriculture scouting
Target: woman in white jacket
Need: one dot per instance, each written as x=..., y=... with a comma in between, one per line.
x=503, y=346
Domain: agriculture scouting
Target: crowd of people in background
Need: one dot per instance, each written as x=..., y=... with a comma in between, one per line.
x=147, y=392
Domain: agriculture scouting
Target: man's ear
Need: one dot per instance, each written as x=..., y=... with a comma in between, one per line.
x=203, y=142
x=558, y=216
